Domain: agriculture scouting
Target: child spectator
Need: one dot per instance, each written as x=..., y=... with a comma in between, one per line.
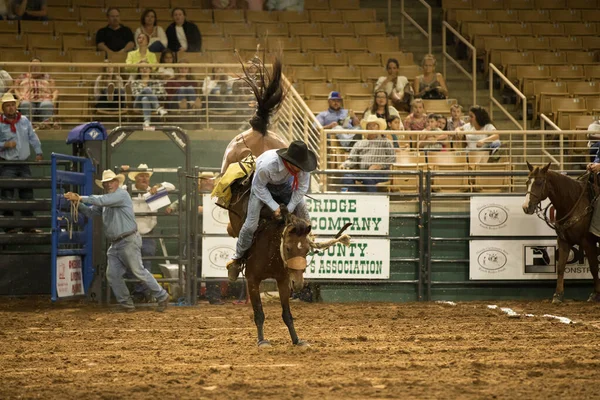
x=167, y=57
x=417, y=120
x=456, y=120
x=399, y=141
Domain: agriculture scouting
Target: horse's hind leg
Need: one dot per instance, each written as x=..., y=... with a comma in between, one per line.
x=284, y=297
x=563, y=254
x=259, y=315
x=591, y=253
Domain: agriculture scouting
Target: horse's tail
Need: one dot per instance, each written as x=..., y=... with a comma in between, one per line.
x=268, y=91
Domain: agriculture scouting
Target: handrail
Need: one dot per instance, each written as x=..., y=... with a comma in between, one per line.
x=472, y=76
x=427, y=33
x=543, y=121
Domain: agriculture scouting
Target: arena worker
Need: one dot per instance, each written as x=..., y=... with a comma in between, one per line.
x=284, y=174
x=124, y=253
x=16, y=135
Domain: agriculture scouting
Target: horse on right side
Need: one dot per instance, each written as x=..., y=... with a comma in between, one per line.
x=573, y=201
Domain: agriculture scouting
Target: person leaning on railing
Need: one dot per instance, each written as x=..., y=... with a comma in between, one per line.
x=373, y=153
x=474, y=135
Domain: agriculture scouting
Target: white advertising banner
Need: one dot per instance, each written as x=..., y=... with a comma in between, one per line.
x=369, y=215
x=504, y=216
x=69, y=277
x=522, y=259
x=363, y=259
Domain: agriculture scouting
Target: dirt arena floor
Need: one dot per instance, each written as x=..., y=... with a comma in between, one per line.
x=376, y=350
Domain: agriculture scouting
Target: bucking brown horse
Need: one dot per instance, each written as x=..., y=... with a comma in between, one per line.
x=572, y=201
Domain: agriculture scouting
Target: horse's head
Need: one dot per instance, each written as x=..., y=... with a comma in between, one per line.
x=294, y=249
x=537, y=189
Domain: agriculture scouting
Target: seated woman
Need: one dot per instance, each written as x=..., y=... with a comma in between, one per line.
x=396, y=87
x=430, y=85
x=383, y=110
x=149, y=26
x=182, y=89
x=417, y=119
x=108, y=88
x=474, y=133
x=147, y=91
x=183, y=36
x=372, y=153
x=167, y=57
x=37, y=95
x=141, y=53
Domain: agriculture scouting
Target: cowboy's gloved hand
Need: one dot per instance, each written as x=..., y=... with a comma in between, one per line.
x=277, y=213
x=71, y=196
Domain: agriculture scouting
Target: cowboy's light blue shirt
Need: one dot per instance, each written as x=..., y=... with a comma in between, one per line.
x=116, y=210
x=270, y=170
x=24, y=136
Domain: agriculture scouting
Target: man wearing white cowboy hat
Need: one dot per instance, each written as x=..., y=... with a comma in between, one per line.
x=283, y=173
x=145, y=223
x=16, y=135
x=373, y=153
x=124, y=253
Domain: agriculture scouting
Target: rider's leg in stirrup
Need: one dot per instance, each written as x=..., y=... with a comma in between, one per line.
x=245, y=238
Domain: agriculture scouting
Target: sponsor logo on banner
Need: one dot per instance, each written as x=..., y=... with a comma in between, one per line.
x=369, y=215
x=216, y=251
x=523, y=259
x=69, y=277
x=504, y=216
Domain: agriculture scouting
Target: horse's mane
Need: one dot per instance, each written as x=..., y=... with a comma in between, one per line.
x=268, y=91
x=300, y=226
x=567, y=187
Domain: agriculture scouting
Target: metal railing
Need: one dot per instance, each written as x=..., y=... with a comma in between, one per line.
x=471, y=75
x=494, y=70
x=405, y=15
x=561, y=154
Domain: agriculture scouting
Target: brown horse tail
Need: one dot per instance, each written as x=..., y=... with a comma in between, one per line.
x=268, y=91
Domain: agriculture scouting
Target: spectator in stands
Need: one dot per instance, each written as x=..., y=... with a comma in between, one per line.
x=381, y=107
x=184, y=36
x=167, y=57
x=31, y=10
x=594, y=142
x=6, y=81
x=456, y=121
x=182, y=89
x=430, y=85
x=114, y=38
x=417, y=120
x=16, y=135
x=37, y=94
x=399, y=141
x=433, y=140
x=480, y=121
x=147, y=92
x=108, y=88
x=206, y=184
x=336, y=116
x=373, y=153
x=396, y=87
x=443, y=123
x=217, y=85
x=253, y=5
x=156, y=34
x=285, y=5
x=145, y=223
x=124, y=254
x=141, y=53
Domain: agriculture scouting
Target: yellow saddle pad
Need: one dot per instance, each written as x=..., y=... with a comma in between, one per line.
x=235, y=171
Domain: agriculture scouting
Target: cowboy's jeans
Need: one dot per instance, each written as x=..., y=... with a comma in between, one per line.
x=125, y=255
x=282, y=194
x=147, y=101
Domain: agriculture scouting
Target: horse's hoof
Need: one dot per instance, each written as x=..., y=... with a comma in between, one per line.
x=557, y=298
x=302, y=343
x=264, y=343
x=594, y=297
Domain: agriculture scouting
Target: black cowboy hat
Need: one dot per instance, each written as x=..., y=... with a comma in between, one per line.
x=299, y=155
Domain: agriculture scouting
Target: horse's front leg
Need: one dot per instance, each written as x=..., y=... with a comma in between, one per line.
x=284, y=296
x=563, y=254
x=591, y=253
x=259, y=315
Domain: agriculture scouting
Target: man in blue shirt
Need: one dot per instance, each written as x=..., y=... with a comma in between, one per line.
x=283, y=173
x=16, y=135
x=124, y=253
x=336, y=117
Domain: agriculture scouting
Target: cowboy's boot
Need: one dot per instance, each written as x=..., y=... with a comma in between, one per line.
x=234, y=268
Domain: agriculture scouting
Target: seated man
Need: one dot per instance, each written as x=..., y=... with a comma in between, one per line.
x=37, y=95
x=114, y=37
x=373, y=153
x=283, y=173
x=337, y=117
